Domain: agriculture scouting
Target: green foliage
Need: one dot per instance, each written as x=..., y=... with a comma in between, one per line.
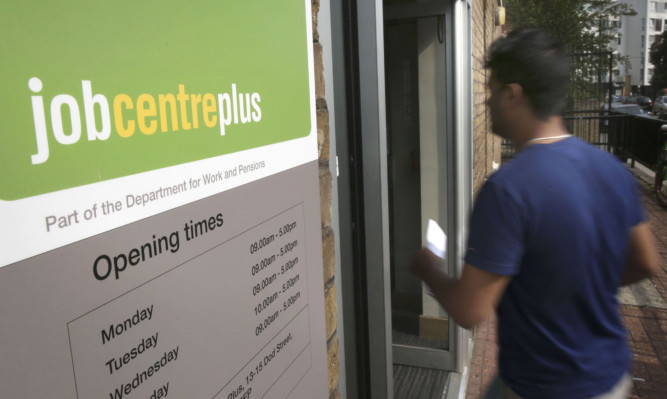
x=658, y=57
x=583, y=25
x=586, y=29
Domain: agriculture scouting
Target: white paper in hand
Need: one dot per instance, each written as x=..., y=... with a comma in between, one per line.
x=436, y=239
x=436, y=242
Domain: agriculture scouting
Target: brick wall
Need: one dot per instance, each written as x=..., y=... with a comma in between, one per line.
x=486, y=146
x=328, y=243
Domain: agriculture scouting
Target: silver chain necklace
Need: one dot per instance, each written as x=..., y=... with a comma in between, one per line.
x=562, y=136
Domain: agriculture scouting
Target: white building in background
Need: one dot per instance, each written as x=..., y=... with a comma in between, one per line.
x=636, y=34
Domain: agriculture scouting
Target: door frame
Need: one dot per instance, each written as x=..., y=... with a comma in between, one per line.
x=363, y=188
x=456, y=184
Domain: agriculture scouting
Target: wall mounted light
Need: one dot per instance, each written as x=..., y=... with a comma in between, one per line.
x=500, y=14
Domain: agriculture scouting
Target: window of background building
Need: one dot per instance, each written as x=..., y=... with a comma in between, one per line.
x=650, y=73
x=619, y=39
x=643, y=41
x=652, y=6
x=651, y=39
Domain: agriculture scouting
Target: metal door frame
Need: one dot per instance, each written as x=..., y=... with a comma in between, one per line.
x=364, y=171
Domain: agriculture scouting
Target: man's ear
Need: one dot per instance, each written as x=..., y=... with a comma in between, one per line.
x=515, y=93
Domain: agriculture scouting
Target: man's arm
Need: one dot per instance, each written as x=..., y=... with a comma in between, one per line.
x=642, y=255
x=469, y=300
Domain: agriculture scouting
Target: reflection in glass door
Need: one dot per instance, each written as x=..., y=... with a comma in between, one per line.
x=415, y=77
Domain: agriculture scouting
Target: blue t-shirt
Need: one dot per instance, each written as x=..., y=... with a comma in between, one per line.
x=557, y=219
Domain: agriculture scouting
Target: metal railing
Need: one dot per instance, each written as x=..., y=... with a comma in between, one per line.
x=629, y=137
x=637, y=139
x=590, y=126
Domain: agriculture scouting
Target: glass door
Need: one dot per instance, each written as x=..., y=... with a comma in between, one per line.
x=416, y=85
x=403, y=138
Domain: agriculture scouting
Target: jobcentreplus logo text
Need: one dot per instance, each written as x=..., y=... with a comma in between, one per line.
x=145, y=114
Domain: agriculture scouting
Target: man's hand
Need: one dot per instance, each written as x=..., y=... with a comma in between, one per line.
x=643, y=261
x=426, y=263
x=469, y=300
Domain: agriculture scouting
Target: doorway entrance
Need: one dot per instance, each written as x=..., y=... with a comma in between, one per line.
x=416, y=85
x=407, y=160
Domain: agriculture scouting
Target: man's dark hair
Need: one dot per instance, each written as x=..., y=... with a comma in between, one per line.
x=537, y=61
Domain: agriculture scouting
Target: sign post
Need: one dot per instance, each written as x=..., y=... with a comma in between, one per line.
x=160, y=202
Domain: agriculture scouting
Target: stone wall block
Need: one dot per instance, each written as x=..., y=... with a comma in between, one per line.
x=319, y=70
x=325, y=196
x=334, y=371
x=323, y=139
x=331, y=310
x=328, y=254
x=315, y=8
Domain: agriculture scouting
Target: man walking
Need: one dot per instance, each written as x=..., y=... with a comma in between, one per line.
x=553, y=234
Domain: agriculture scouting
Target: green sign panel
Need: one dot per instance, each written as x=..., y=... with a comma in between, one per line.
x=95, y=93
